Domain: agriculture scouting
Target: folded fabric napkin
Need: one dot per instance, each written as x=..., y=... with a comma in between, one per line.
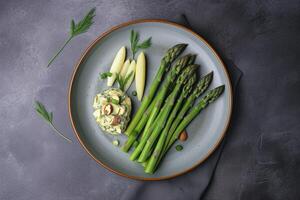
x=193, y=184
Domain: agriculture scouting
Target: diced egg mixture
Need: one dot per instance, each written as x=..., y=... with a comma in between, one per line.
x=112, y=110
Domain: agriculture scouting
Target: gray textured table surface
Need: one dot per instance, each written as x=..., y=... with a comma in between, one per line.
x=261, y=158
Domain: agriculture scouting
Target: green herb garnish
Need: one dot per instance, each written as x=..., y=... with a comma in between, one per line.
x=105, y=75
x=134, y=93
x=48, y=117
x=123, y=81
x=76, y=29
x=122, y=98
x=179, y=148
x=135, y=46
x=114, y=101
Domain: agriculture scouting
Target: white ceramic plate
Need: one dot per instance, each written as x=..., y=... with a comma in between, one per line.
x=205, y=132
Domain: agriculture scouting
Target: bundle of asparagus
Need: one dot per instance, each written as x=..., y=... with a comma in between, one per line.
x=168, y=109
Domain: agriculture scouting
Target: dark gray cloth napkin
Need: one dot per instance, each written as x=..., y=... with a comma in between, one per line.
x=194, y=184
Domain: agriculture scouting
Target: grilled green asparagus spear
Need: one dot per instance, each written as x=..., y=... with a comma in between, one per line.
x=147, y=133
x=133, y=136
x=188, y=73
x=210, y=97
x=170, y=80
x=150, y=166
x=136, y=151
x=198, y=90
x=175, y=70
x=165, y=63
x=164, y=89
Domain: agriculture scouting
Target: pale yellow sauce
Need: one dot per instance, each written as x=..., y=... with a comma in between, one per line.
x=112, y=110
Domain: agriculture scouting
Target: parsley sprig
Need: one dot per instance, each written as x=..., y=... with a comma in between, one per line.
x=105, y=75
x=48, y=117
x=135, y=45
x=122, y=81
x=76, y=29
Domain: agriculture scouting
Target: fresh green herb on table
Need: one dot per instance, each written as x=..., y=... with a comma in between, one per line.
x=76, y=29
x=135, y=45
x=48, y=117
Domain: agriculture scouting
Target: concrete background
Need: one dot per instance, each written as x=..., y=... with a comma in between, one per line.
x=261, y=157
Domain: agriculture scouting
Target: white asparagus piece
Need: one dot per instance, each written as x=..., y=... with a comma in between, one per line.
x=117, y=65
x=140, y=75
x=125, y=68
x=131, y=68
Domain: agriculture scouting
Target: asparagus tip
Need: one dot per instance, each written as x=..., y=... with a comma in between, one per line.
x=192, y=58
x=210, y=75
x=182, y=45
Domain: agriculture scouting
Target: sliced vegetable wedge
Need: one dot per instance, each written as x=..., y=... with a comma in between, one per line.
x=116, y=65
x=131, y=68
x=140, y=75
x=125, y=68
